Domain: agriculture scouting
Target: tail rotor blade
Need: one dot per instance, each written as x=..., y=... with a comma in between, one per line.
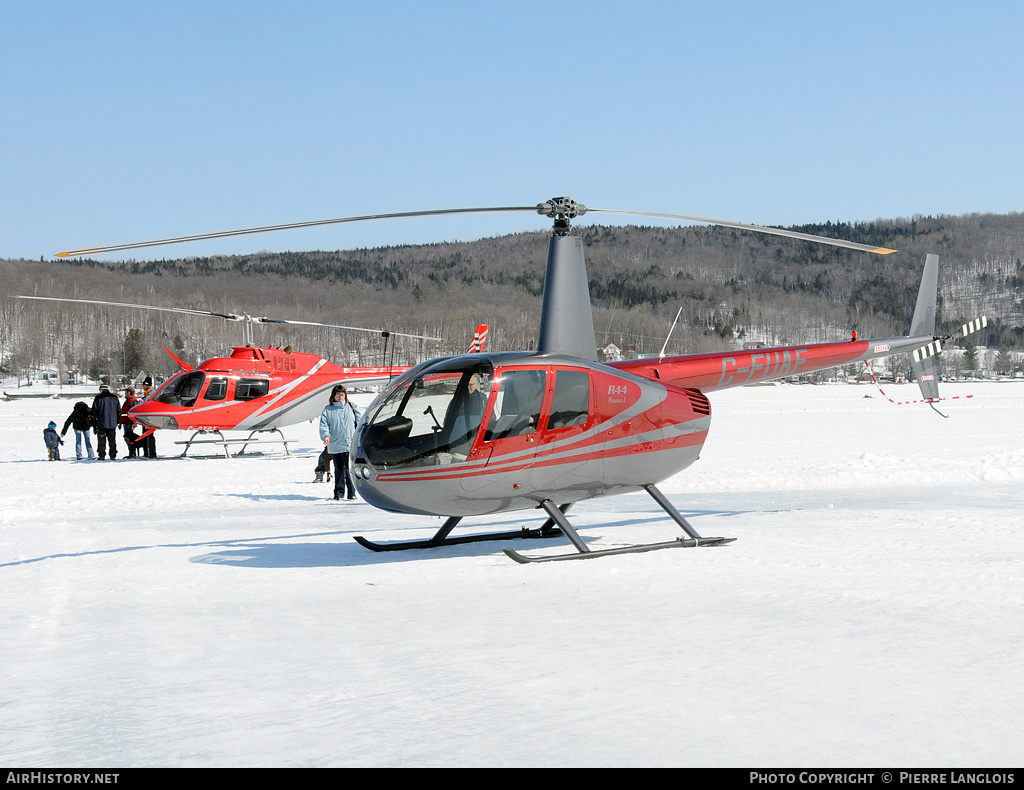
x=935, y=347
x=973, y=326
x=930, y=350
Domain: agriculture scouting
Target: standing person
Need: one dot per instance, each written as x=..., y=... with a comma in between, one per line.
x=80, y=420
x=52, y=441
x=128, y=424
x=337, y=428
x=106, y=410
x=149, y=442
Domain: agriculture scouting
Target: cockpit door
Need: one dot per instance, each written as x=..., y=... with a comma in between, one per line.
x=510, y=437
x=565, y=454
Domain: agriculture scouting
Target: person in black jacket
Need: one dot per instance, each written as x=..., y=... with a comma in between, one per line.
x=80, y=420
x=106, y=410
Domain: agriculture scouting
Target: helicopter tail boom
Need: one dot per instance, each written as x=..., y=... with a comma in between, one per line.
x=727, y=369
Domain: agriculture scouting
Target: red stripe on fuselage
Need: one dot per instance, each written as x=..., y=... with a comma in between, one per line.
x=456, y=471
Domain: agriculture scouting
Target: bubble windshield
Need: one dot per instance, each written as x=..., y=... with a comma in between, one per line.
x=431, y=416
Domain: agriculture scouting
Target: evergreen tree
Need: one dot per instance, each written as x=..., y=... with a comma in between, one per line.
x=970, y=356
x=134, y=351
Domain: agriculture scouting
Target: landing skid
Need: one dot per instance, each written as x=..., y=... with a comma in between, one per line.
x=225, y=443
x=557, y=524
x=678, y=543
x=547, y=530
x=583, y=552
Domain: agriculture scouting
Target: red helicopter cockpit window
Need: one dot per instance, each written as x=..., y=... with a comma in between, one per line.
x=183, y=389
x=217, y=390
x=431, y=417
x=247, y=389
x=517, y=408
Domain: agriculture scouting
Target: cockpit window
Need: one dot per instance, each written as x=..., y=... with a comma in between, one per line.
x=571, y=402
x=431, y=417
x=183, y=389
x=517, y=408
x=247, y=389
x=217, y=390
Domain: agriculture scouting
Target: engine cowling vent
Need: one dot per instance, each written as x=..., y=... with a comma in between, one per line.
x=699, y=402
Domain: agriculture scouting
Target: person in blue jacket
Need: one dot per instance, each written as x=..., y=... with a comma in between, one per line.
x=53, y=442
x=337, y=428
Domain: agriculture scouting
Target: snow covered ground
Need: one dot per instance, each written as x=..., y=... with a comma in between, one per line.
x=212, y=612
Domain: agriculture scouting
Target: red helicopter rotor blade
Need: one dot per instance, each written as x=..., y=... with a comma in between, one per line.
x=227, y=316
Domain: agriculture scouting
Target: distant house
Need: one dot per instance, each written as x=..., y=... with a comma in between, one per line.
x=610, y=353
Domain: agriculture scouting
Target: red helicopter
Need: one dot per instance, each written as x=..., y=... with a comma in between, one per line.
x=259, y=390
x=255, y=389
x=487, y=433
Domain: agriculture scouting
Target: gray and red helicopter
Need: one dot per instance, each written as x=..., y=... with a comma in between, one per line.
x=479, y=434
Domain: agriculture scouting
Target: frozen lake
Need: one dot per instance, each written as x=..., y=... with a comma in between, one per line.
x=212, y=612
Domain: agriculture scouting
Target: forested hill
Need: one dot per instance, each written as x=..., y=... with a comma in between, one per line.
x=732, y=287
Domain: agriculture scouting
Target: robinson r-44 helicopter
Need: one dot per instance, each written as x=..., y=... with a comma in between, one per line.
x=480, y=434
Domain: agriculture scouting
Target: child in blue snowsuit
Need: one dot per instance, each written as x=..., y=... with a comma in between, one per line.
x=53, y=441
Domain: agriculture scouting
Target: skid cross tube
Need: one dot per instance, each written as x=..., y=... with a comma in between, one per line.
x=557, y=515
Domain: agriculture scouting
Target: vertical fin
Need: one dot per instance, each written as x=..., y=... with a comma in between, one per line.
x=479, y=339
x=923, y=322
x=926, y=369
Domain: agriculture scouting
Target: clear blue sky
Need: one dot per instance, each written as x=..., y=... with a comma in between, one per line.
x=130, y=121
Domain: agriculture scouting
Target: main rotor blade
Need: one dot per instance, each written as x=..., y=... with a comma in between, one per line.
x=228, y=316
x=550, y=208
x=222, y=234
x=382, y=332
x=186, y=310
x=791, y=234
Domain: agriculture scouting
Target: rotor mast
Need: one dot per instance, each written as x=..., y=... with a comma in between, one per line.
x=566, y=319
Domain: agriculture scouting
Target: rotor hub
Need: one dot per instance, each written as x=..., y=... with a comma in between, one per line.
x=563, y=209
